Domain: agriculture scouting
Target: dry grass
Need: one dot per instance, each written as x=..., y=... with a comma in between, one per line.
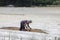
x=32, y=30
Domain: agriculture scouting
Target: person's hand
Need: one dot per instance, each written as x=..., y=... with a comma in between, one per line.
x=30, y=28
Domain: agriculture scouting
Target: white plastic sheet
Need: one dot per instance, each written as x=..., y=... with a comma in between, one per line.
x=20, y=35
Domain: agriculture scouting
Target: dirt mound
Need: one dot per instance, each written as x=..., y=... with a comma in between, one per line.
x=32, y=30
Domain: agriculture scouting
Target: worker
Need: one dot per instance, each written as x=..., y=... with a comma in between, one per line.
x=24, y=25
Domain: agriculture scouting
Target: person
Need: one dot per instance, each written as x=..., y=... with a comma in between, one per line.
x=24, y=25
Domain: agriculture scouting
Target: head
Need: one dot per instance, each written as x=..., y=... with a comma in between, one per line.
x=30, y=21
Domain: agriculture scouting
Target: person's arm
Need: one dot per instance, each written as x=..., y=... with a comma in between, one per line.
x=28, y=26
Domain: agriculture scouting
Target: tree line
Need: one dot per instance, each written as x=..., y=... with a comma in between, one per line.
x=27, y=3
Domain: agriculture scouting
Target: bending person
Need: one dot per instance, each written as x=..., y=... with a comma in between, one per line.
x=24, y=25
